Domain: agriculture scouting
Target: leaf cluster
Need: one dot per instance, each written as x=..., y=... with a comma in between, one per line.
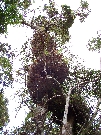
x=56, y=22
x=4, y=118
x=5, y=65
x=9, y=12
x=83, y=11
x=94, y=44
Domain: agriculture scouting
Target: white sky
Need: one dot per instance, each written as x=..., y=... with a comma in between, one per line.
x=80, y=34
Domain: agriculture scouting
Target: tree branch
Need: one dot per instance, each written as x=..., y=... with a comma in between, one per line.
x=64, y=131
x=32, y=26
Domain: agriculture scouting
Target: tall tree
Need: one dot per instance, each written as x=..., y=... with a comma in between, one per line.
x=47, y=74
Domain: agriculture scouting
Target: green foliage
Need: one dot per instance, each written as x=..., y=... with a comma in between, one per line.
x=4, y=118
x=6, y=68
x=5, y=65
x=55, y=22
x=84, y=4
x=83, y=11
x=30, y=126
x=24, y=4
x=94, y=44
x=51, y=10
x=9, y=12
x=59, y=23
x=90, y=79
x=68, y=15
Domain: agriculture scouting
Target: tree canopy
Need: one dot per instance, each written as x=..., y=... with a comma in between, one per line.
x=57, y=91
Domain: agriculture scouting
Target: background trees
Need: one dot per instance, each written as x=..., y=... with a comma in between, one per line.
x=9, y=14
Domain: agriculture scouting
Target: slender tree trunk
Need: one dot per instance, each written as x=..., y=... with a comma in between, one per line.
x=67, y=129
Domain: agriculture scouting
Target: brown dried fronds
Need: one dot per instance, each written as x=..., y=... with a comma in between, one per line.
x=42, y=42
x=38, y=84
